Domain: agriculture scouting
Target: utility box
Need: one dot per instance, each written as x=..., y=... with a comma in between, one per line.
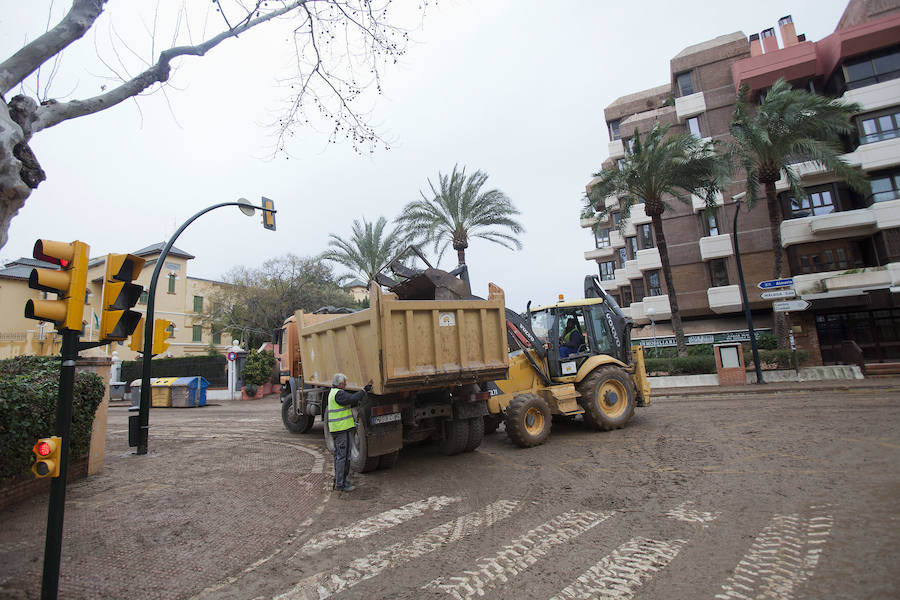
x=730, y=364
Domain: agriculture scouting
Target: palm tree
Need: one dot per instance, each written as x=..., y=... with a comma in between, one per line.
x=458, y=210
x=654, y=167
x=789, y=123
x=368, y=249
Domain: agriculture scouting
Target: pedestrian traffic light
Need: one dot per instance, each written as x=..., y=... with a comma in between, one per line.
x=268, y=211
x=48, y=452
x=69, y=283
x=161, y=336
x=119, y=295
x=137, y=337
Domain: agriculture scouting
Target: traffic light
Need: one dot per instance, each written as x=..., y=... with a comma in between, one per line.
x=268, y=212
x=69, y=283
x=161, y=336
x=137, y=337
x=47, y=452
x=119, y=295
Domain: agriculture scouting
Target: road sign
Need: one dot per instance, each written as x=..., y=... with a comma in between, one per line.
x=232, y=356
x=775, y=283
x=776, y=294
x=790, y=305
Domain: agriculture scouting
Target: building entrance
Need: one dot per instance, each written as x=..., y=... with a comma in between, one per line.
x=876, y=331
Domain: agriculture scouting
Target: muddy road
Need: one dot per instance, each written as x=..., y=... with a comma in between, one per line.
x=788, y=495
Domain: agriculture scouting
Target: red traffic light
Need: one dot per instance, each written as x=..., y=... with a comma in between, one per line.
x=43, y=449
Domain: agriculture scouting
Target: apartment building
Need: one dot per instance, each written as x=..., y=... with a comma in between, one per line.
x=843, y=250
x=180, y=299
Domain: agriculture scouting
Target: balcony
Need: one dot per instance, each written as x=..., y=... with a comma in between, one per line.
x=715, y=246
x=616, y=149
x=806, y=169
x=689, y=106
x=887, y=214
x=660, y=306
x=589, y=222
x=851, y=279
x=611, y=202
x=631, y=269
x=843, y=224
x=648, y=259
x=876, y=155
x=616, y=240
x=724, y=299
x=875, y=96
x=600, y=254
x=699, y=203
x=638, y=216
x=637, y=313
x=622, y=277
x=609, y=285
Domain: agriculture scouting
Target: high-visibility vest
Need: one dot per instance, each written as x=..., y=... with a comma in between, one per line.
x=340, y=418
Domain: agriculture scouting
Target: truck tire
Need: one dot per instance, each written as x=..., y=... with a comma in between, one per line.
x=293, y=422
x=528, y=420
x=491, y=423
x=360, y=461
x=456, y=436
x=607, y=396
x=476, y=433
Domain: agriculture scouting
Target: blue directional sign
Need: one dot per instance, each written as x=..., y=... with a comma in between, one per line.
x=775, y=283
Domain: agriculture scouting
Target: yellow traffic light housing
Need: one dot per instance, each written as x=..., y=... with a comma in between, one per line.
x=69, y=283
x=48, y=452
x=137, y=337
x=161, y=336
x=268, y=213
x=118, y=321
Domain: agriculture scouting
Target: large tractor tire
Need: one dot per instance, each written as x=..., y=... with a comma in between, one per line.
x=476, y=433
x=491, y=423
x=293, y=422
x=456, y=436
x=607, y=396
x=528, y=420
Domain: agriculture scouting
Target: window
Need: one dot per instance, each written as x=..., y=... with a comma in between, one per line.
x=820, y=202
x=876, y=127
x=684, y=84
x=606, y=270
x=171, y=330
x=626, y=297
x=631, y=245
x=693, y=125
x=217, y=338
x=171, y=283
x=718, y=272
x=601, y=238
x=144, y=297
x=623, y=256
x=616, y=218
x=819, y=257
x=198, y=304
x=603, y=338
x=613, y=129
x=644, y=232
x=885, y=186
x=620, y=164
x=654, y=287
x=872, y=68
x=196, y=333
x=709, y=218
x=637, y=289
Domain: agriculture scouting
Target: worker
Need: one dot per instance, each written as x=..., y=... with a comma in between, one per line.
x=341, y=424
x=571, y=339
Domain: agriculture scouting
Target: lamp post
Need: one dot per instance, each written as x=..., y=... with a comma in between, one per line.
x=650, y=313
x=144, y=409
x=737, y=255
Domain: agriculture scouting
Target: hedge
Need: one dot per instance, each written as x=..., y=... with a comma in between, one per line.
x=29, y=390
x=211, y=368
x=701, y=364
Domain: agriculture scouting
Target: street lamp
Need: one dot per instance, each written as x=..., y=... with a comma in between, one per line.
x=737, y=255
x=268, y=210
x=650, y=312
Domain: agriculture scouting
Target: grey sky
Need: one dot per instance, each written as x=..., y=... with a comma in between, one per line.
x=514, y=88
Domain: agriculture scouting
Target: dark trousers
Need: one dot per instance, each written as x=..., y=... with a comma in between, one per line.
x=341, y=457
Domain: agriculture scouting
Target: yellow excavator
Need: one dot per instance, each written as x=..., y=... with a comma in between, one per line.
x=569, y=358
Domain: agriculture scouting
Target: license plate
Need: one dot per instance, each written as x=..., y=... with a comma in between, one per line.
x=385, y=418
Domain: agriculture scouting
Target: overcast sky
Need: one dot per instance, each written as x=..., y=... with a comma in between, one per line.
x=515, y=88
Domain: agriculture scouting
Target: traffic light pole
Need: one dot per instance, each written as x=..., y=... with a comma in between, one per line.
x=144, y=409
x=53, y=543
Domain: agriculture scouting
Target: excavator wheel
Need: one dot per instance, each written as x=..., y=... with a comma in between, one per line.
x=456, y=436
x=476, y=433
x=528, y=420
x=491, y=423
x=607, y=396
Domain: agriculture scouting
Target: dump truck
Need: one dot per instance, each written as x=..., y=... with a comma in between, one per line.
x=426, y=347
x=602, y=379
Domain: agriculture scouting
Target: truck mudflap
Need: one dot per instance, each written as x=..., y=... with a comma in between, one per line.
x=384, y=438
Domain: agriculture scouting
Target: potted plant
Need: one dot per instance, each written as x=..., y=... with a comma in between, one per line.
x=257, y=372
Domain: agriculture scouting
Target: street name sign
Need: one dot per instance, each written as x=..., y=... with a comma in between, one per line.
x=775, y=283
x=790, y=305
x=776, y=294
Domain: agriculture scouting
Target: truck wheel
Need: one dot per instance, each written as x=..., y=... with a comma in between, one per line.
x=360, y=461
x=476, y=433
x=607, y=396
x=528, y=420
x=386, y=461
x=292, y=421
x=491, y=423
x=456, y=436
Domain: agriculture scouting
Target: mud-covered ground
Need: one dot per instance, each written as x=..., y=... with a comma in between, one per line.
x=794, y=494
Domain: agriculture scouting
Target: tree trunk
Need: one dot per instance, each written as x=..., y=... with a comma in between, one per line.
x=780, y=318
x=670, y=283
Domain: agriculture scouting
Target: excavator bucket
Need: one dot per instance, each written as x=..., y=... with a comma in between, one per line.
x=426, y=284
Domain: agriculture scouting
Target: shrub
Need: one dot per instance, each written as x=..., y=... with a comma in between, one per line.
x=701, y=350
x=682, y=365
x=765, y=341
x=29, y=390
x=259, y=368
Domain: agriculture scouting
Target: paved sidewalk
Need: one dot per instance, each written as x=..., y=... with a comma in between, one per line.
x=856, y=385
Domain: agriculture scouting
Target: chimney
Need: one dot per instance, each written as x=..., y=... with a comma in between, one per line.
x=801, y=37
x=755, y=45
x=769, y=41
x=788, y=33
